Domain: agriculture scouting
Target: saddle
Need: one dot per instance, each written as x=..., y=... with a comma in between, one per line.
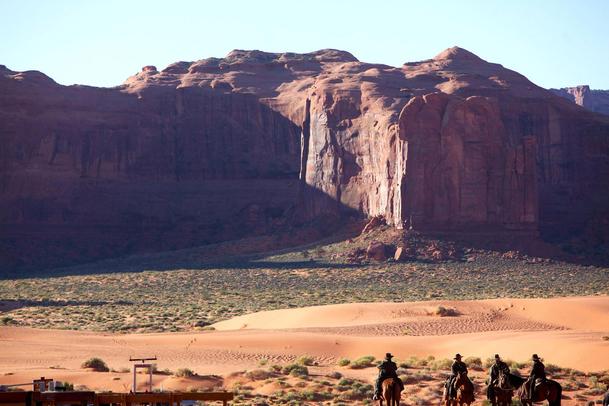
x=539, y=385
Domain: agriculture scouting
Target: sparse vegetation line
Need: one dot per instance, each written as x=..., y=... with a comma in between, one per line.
x=133, y=300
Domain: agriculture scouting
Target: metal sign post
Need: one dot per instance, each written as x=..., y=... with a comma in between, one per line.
x=142, y=365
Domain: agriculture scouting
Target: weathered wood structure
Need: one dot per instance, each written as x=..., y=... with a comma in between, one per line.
x=83, y=398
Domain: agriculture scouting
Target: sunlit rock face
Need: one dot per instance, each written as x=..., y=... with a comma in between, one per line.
x=257, y=142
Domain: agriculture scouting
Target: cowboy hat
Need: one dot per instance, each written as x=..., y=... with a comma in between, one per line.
x=388, y=355
x=458, y=356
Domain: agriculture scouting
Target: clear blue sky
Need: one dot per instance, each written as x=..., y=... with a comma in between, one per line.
x=101, y=42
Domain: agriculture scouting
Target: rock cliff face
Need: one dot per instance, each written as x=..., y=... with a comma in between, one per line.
x=89, y=173
x=251, y=143
x=593, y=100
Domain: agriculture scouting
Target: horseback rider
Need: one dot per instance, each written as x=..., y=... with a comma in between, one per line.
x=496, y=369
x=538, y=371
x=457, y=367
x=387, y=369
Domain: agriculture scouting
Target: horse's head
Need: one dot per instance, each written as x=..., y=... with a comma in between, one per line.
x=504, y=381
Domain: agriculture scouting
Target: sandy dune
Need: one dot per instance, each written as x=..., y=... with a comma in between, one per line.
x=522, y=314
x=565, y=331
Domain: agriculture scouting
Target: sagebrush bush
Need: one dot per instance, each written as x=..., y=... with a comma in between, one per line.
x=306, y=360
x=184, y=373
x=96, y=364
x=440, y=364
x=343, y=362
x=474, y=363
x=363, y=362
x=258, y=374
x=295, y=370
x=446, y=311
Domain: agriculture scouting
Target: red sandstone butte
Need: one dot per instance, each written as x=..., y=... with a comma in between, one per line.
x=255, y=142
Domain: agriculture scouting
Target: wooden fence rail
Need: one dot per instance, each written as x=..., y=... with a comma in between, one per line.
x=97, y=399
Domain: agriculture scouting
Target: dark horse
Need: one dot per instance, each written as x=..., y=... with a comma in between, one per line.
x=465, y=392
x=501, y=395
x=606, y=399
x=391, y=392
x=548, y=390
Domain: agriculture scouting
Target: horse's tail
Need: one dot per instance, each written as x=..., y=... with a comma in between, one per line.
x=556, y=402
x=389, y=390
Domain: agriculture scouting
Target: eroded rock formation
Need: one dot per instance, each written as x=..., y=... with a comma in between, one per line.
x=593, y=100
x=222, y=148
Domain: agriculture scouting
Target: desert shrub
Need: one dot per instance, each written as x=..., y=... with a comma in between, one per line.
x=446, y=311
x=488, y=363
x=415, y=362
x=401, y=371
x=363, y=362
x=516, y=364
x=553, y=369
x=569, y=386
x=474, y=363
x=185, y=373
x=313, y=396
x=258, y=375
x=358, y=391
x=335, y=375
x=66, y=386
x=598, y=386
x=96, y=364
x=306, y=360
x=343, y=362
x=7, y=320
x=276, y=368
x=420, y=376
x=295, y=370
x=440, y=364
x=595, y=392
x=345, y=382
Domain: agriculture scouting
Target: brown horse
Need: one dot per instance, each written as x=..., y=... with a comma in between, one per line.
x=465, y=391
x=548, y=390
x=504, y=390
x=391, y=391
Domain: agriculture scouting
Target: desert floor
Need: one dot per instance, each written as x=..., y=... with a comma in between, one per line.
x=569, y=332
